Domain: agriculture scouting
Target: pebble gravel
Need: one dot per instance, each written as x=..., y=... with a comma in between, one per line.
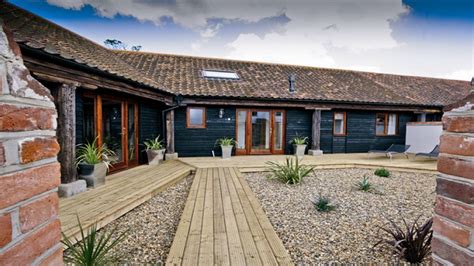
x=348, y=233
x=150, y=227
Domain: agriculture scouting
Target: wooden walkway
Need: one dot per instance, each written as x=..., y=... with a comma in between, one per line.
x=121, y=193
x=223, y=223
x=257, y=163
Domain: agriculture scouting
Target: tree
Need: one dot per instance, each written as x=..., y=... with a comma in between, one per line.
x=119, y=45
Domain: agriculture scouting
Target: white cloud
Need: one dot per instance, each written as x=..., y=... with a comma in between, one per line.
x=462, y=74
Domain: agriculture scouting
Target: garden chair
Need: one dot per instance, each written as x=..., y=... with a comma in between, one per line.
x=392, y=150
x=432, y=154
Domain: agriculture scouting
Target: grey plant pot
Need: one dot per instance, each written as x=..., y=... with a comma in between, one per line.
x=226, y=151
x=96, y=177
x=155, y=156
x=299, y=149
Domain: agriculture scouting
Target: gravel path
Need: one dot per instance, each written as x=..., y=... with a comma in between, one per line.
x=151, y=226
x=348, y=233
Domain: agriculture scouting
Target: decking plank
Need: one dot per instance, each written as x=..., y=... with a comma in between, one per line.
x=233, y=220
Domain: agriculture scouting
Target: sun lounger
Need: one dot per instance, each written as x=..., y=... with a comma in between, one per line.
x=392, y=150
x=432, y=154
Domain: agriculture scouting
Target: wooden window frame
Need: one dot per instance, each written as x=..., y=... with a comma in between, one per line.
x=385, y=131
x=334, y=124
x=188, y=121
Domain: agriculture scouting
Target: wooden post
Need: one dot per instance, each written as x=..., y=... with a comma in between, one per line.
x=66, y=132
x=316, y=134
x=170, y=133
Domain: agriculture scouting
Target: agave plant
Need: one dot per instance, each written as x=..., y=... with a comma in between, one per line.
x=153, y=144
x=299, y=140
x=92, y=248
x=364, y=184
x=225, y=142
x=413, y=243
x=90, y=153
x=291, y=172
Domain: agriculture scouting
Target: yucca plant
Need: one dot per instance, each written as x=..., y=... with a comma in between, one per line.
x=382, y=172
x=364, y=184
x=323, y=204
x=225, y=142
x=299, y=140
x=153, y=144
x=291, y=172
x=92, y=249
x=413, y=243
x=90, y=153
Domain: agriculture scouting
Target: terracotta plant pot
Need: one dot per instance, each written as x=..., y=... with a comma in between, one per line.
x=226, y=151
x=299, y=149
x=155, y=156
x=94, y=174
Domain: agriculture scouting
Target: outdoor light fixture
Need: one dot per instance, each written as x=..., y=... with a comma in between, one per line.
x=221, y=113
x=291, y=80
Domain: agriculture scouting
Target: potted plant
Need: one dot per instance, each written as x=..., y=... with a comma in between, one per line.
x=226, y=145
x=299, y=145
x=155, y=150
x=93, y=162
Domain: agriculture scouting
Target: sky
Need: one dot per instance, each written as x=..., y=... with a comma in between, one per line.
x=433, y=38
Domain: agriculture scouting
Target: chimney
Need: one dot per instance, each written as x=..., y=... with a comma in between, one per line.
x=291, y=80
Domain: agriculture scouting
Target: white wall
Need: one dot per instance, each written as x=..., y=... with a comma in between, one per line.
x=423, y=136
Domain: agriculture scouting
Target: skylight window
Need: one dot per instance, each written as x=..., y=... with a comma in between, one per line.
x=217, y=74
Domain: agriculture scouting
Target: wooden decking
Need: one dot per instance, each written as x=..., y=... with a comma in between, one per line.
x=252, y=163
x=223, y=223
x=122, y=192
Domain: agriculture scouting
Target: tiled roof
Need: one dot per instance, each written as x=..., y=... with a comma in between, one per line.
x=182, y=74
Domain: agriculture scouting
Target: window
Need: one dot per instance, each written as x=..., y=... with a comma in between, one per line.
x=219, y=74
x=196, y=117
x=339, y=124
x=386, y=124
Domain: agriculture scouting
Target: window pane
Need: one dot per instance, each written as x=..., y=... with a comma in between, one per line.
x=339, y=124
x=131, y=132
x=260, y=130
x=278, y=133
x=196, y=116
x=392, y=124
x=241, y=123
x=88, y=129
x=112, y=127
x=380, y=124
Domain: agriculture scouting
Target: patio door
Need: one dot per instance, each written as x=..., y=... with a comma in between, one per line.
x=116, y=127
x=260, y=131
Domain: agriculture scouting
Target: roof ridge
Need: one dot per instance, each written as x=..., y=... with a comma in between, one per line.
x=279, y=64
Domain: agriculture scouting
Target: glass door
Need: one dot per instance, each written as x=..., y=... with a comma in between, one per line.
x=278, y=136
x=260, y=132
x=132, y=133
x=112, y=130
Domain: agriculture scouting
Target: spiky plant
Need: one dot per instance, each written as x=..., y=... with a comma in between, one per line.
x=291, y=172
x=323, y=204
x=299, y=140
x=92, y=249
x=153, y=144
x=382, y=172
x=225, y=141
x=413, y=242
x=364, y=184
x=90, y=153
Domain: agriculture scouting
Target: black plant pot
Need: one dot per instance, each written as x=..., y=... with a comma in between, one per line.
x=86, y=169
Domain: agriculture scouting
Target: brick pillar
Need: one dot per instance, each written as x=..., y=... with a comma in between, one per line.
x=29, y=171
x=453, y=225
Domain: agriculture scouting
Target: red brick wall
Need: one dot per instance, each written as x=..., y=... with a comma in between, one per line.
x=29, y=171
x=453, y=224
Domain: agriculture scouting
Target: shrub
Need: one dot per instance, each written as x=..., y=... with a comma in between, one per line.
x=291, y=172
x=225, y=141
x=382, y=172
x=91, y=249
x=412, y=243
x=364, y=184
x=90, y=153
x=299, y=140
x=153, y=144
x=323, y=204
